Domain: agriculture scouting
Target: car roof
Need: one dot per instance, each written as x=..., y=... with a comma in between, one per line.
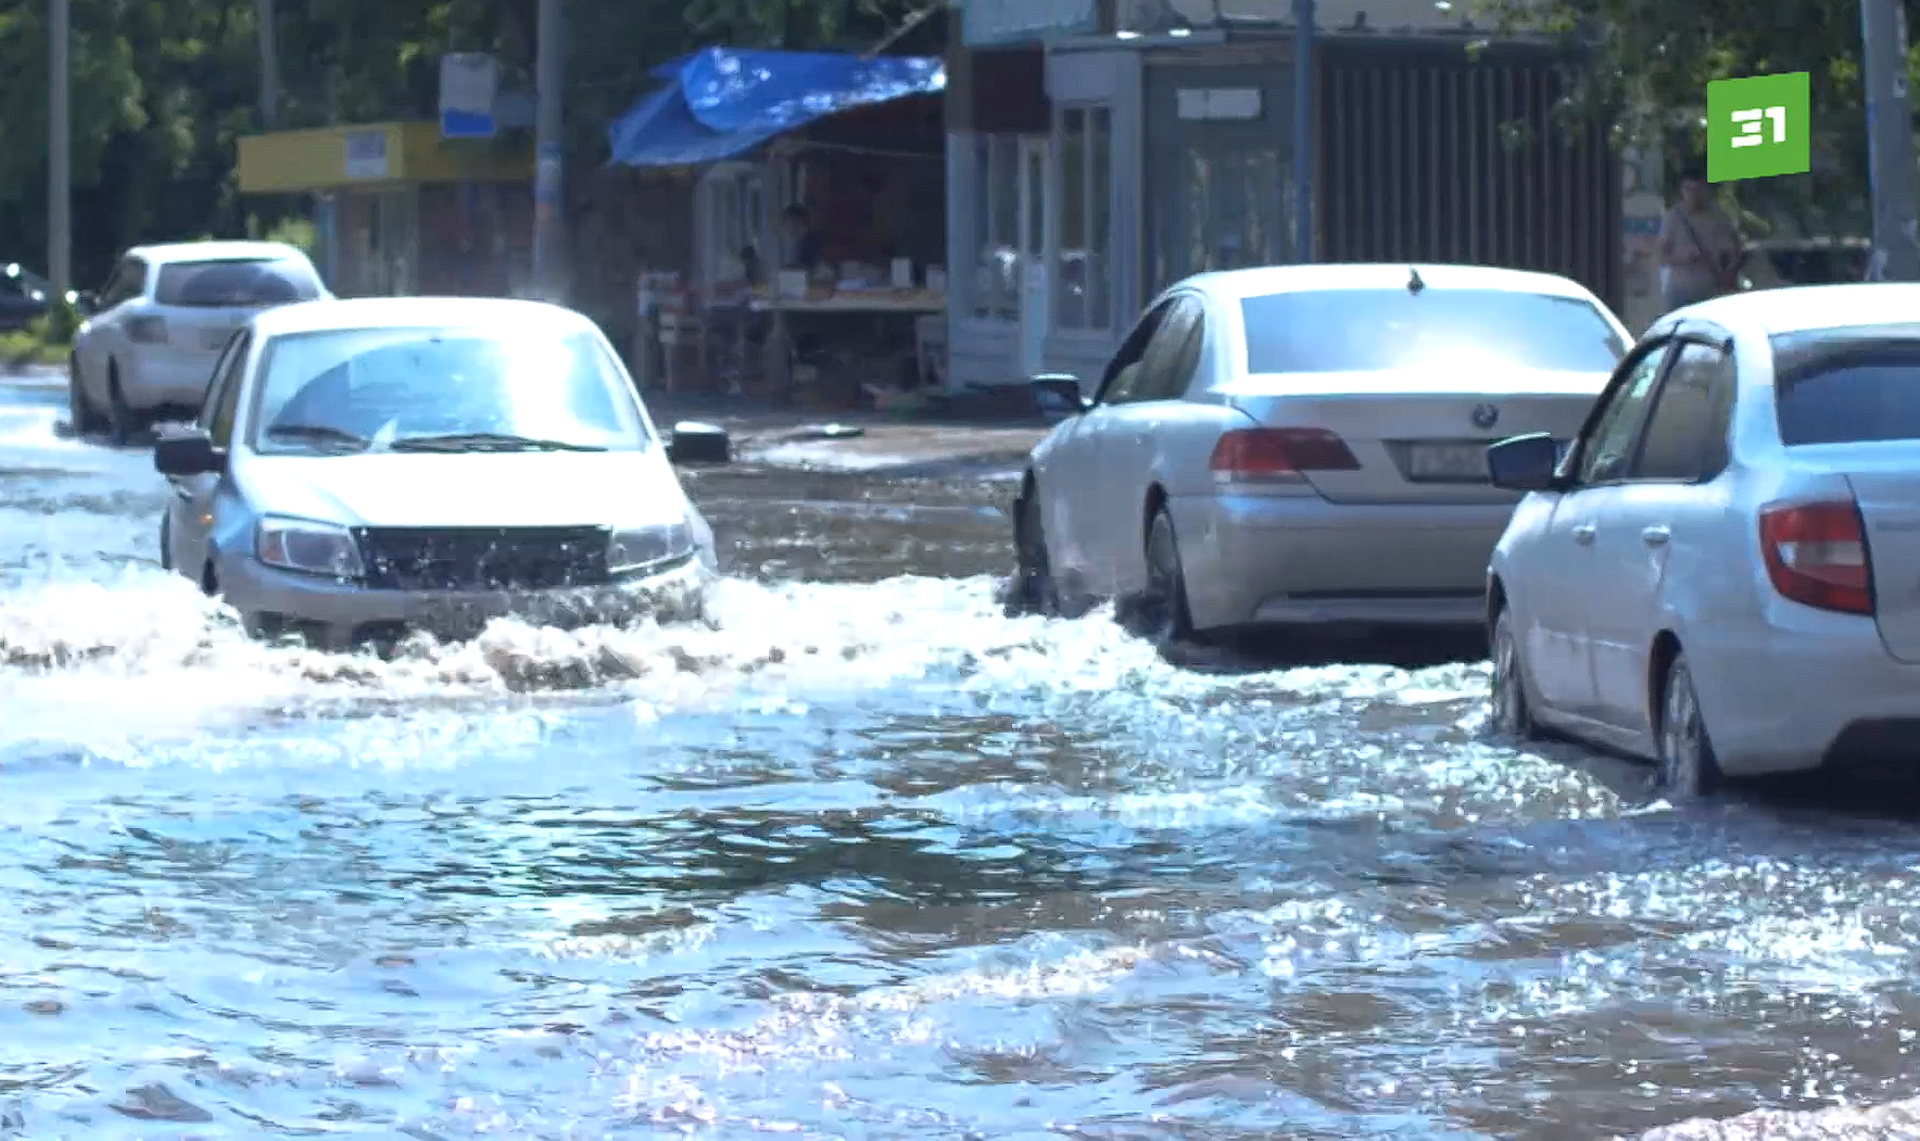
x=1236, y=284
x=167, y=252
x=1801, y=308
x=330, y=315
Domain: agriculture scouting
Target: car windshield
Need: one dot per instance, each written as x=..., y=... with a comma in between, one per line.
x=236, y=283
x=1844, y=386
x=451, y=389
x=1371, y=330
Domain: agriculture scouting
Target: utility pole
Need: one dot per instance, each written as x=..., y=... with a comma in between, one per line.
x=269, y=65
x=59, y=154
x=1890, y=154
x=1303, y=133
x=549, y=228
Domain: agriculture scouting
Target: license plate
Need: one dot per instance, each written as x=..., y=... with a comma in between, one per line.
x=457, y=619
x=1447, y=463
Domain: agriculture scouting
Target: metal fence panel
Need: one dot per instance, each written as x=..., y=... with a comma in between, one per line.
x=1427, y=156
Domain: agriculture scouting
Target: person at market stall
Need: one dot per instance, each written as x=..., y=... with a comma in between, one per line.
x=803, y=241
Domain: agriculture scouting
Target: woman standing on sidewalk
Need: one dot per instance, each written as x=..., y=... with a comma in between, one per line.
x=1699, y=246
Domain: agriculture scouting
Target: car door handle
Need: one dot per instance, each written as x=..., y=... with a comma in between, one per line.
x=1583, y=534
x=1655, y=536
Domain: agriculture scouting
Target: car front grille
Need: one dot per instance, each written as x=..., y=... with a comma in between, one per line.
x=483, y=558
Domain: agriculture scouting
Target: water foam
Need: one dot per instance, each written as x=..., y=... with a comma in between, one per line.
x=149, y=649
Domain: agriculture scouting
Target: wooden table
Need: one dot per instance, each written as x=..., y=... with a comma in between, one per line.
x=852, y=302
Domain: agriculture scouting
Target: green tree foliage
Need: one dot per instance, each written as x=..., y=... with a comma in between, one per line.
x=1630, y=56
x=161, y=89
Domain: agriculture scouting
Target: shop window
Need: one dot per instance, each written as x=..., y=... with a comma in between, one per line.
x=1083, y=284
x=384, y=241
x=996, y=227
x=734, y=209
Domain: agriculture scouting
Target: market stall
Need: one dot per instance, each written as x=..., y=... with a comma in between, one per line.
x=819, y=218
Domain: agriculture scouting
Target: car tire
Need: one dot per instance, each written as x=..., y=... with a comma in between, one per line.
x=1509, y=713
x=1032, y=590
x=1688, y=767
x=119, y=416
x=81, y=417
x=1165, y=604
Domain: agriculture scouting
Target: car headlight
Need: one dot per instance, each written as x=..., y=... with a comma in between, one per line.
x=631, y=548
x=308, y=547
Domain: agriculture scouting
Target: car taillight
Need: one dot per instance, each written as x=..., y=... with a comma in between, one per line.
x=1278, y=455
x=147, y=330
x=1816, y=554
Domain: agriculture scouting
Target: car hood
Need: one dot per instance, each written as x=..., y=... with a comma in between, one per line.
x=470, y=489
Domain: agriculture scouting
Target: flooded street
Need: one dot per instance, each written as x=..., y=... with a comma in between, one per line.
x=867, y=860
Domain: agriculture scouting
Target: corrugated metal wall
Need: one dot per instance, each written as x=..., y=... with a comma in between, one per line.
x=1415, y=165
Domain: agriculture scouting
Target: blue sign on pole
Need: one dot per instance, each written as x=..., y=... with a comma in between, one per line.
x=465, y=124
x=468, y=81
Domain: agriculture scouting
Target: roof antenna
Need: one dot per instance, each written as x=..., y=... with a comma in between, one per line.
x=1414, y=284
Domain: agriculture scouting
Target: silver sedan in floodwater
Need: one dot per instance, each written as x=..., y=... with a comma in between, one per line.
x=1306, y=445
x=363, y=468
x=1723, y=573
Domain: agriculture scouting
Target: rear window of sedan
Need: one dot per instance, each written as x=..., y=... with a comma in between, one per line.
x=1847, y=386
x=1371, y=330
x=234, y=283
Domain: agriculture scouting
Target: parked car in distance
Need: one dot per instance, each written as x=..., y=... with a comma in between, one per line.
x=1723, y=572
x=1306, y=445
x=368, y=467
x=1774, y=263
x=151, y=334
x=24, y=296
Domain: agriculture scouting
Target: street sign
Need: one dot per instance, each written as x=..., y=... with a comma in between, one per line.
x=468, y=82
x=985, y=23
x=366, y=153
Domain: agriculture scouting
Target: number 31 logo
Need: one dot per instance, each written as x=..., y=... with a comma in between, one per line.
x=1758, y=126
x=1749, y=120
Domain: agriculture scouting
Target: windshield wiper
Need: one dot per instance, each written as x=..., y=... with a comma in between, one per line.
x=486, y=442
x=318, y=434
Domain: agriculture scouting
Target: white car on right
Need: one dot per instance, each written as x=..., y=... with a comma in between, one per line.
x=1722, y=571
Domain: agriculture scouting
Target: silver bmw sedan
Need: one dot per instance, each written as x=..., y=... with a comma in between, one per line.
x=1306, y=446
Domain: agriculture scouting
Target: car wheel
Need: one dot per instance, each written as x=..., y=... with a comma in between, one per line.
x=1688, y=767
x=1165, y=604
x=1032, y=590
x=119, y=416
x=1507, y=705
x=81, y=417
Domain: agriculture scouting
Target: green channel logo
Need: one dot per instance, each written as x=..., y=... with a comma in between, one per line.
x=1758, y=127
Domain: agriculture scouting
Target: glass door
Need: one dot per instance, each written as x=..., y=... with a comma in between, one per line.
x=389, y=243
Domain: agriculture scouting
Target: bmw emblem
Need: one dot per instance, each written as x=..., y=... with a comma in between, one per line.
x=1485, y=416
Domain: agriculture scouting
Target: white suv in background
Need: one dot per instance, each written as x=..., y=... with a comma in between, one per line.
x=152, y=333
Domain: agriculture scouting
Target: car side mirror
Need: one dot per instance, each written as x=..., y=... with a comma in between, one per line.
x=86, y=303
x=693, y=442
x=1059, y=392
x=1524, y=463
x=188, y=452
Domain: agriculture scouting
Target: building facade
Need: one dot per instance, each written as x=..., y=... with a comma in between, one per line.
x=398, y=210
x=1100, y=150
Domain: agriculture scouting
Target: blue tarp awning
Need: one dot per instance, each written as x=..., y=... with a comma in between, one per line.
x=719, y=102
